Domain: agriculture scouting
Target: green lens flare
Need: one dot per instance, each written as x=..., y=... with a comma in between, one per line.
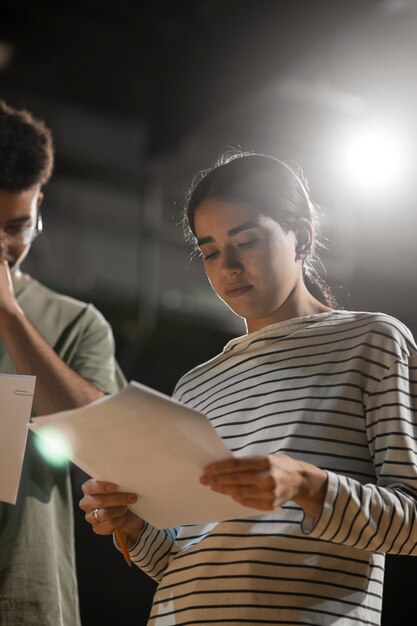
x=53, y=446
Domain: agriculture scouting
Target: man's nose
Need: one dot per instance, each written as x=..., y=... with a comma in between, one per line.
x=4, y=244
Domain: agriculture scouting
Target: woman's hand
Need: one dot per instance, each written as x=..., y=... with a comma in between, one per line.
x=266, y=482
x=106, y=509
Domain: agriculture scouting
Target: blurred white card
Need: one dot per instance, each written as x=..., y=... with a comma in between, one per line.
x=149, y=444
x=16, y=397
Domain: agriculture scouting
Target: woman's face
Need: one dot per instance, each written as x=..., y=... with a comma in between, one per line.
x=251, y=263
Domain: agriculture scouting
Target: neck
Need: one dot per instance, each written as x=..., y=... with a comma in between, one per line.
x=295, y=306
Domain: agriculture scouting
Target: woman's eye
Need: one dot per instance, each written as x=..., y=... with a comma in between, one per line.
x=247, y=244
x=210, y=255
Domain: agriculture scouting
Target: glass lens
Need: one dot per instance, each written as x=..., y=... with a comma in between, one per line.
x=19, y=234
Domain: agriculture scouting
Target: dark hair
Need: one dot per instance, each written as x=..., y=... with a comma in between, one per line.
x=26, y=150
x=269, y=185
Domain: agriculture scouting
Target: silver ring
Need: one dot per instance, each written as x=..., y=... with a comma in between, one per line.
x=96, y=515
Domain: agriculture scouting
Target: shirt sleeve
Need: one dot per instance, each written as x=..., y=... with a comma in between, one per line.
x=151, y=552
x=88, y=348
x=380, y=517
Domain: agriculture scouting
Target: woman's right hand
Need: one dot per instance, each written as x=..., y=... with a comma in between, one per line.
x=106, y=509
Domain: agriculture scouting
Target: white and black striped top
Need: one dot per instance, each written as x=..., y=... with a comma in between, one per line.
x=338, y=390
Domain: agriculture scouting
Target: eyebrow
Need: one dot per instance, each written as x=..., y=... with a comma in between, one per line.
x=19, y=220
x=231, y=232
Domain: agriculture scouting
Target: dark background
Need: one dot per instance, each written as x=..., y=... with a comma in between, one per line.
x=141, y=95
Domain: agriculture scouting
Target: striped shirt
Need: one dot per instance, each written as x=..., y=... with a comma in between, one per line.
x=338, y=390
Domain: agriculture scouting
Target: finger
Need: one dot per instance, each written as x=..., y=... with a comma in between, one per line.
x=98, y=516
x=5, y=275
x=266, y=501
x=263, y=505
x=109, y=526
x=4, y=263
x=89, y=503
x=262, y=480
x=247, y=463
x=92, y=487
x=245, y=491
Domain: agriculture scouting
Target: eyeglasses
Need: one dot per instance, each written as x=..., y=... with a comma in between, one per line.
x=22, y=235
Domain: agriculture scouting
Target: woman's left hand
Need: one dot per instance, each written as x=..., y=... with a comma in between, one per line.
x=266, y=482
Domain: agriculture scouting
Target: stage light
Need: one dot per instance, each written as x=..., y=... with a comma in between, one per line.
x=375, y=158
x=52, y=446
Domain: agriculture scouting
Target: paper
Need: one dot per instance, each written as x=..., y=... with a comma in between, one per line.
x=149, y=444
x=16, y=393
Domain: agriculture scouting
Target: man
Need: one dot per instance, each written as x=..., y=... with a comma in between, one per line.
x=69, y=347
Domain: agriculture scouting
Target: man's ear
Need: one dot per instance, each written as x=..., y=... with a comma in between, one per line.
x=39, y=200
x=304, y=236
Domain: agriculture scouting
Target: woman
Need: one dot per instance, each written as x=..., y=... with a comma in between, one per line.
x=317, y=404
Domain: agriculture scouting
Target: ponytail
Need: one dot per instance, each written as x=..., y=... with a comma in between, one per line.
x=318, y=287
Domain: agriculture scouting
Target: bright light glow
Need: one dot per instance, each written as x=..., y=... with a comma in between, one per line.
x=53, y=446
x=376, y=158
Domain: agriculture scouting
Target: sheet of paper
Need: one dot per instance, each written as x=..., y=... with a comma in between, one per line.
x=16, y=393
x=149, y=444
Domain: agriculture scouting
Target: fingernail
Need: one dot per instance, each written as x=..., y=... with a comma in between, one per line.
x=132, y=497
x=110, y=487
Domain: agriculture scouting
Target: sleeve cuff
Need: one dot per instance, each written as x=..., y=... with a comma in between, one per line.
x=316, y=526
x=131, y=545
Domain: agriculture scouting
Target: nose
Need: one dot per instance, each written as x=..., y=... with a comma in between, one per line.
x=231, y=263
x=3, y=240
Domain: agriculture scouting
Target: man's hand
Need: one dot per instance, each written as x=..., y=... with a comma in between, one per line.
x=8, y=302
x=58, y=387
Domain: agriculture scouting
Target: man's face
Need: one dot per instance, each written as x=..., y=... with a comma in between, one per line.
x=18, y=215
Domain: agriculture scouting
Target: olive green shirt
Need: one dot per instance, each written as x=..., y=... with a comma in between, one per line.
x=37, y=557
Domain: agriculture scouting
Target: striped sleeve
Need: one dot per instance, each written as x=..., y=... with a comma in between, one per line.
x=380, y=517
x=152, y=550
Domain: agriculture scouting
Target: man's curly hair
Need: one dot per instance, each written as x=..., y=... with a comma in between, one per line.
x=26, y=150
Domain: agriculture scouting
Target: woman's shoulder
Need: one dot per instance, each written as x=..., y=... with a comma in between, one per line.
x=197, y=375
x=382, y=328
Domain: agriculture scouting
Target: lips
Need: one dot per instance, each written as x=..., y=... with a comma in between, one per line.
x=237, y=289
